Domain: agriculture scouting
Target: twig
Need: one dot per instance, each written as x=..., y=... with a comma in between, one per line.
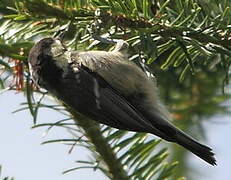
x=101, y=145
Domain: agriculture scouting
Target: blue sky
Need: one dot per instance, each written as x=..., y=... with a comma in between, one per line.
x=23, y=157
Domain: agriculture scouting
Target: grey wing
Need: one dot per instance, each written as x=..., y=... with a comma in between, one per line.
x=103, y=103
x=111, y=106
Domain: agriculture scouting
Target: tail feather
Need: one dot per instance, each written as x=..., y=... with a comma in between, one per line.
x=200, y=150
x=164, y=129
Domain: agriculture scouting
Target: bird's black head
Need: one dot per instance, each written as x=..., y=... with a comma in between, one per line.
x=45, y=49
x=43, y=58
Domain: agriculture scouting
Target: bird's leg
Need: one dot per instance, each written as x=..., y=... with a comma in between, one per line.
x=105, y=39
x=119, y=43
x=95, y=29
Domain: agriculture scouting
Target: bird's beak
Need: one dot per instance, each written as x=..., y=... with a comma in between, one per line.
x=60, y=35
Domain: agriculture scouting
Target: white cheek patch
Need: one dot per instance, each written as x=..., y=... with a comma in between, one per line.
x=62, y=61
x=57, y=49
x=60, y=55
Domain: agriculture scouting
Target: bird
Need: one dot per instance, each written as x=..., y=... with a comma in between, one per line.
x=107, y=87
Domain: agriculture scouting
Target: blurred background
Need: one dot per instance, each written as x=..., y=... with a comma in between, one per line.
x=23, y=156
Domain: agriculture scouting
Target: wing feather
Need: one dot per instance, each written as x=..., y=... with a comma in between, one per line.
x=110, y=107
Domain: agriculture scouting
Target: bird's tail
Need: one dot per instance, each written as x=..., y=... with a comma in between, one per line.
x=164, y=129
x=170, y=133
x=202, y=151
